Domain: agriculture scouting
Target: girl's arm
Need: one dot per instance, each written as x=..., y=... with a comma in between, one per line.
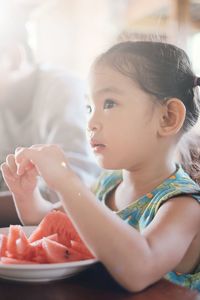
x=31, y=208
x=135, y=259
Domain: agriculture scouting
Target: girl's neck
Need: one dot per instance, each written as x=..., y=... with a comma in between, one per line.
x=144, y=179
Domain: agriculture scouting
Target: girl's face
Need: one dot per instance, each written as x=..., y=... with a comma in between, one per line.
x=122, y=120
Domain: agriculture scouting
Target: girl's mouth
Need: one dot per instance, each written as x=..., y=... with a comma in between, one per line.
x=97, y=147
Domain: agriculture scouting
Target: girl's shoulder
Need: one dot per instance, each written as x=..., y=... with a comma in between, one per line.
x=140, y=213
x=179, y=183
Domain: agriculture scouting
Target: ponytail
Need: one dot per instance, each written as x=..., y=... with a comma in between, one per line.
x=189, y=155
x=196, y=81
x=189, y=146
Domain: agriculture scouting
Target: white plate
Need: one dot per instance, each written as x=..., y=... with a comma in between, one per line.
x=41, y=272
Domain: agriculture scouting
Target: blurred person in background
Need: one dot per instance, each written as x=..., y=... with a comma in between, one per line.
x=40, y=104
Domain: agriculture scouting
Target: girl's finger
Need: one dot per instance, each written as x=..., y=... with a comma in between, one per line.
x=25, y=165
x=23, y=160
x=32, y=173
x=18, y=149
x=39, y=145
x=7, y=174
x=10, y=160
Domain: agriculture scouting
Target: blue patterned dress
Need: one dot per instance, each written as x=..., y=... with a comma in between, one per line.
x=140, y=213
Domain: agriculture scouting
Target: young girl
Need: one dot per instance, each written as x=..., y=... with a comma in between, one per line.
x=143, y=99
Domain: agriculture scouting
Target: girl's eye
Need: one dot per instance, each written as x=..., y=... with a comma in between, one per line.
x=88, y=109
x=109, y=104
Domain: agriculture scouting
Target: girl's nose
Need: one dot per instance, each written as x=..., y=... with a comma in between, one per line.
x=93, y=125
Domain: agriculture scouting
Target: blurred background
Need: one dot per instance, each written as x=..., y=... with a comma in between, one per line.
x=71, y=33
x=41, y=41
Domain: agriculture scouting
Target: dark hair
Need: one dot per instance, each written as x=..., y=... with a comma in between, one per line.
x=160, y=69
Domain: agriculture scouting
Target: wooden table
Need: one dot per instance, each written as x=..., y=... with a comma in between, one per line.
x=92, y=284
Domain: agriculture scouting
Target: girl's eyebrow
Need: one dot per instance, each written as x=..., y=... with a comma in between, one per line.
x=104, y=91
x=108, y=90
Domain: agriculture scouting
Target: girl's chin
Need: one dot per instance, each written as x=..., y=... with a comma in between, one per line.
x=108, y=162
x=109, y=166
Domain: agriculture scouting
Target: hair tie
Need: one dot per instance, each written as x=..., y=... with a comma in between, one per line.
x=196, y=81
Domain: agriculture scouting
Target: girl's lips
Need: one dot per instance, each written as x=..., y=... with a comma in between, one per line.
x=97, y=147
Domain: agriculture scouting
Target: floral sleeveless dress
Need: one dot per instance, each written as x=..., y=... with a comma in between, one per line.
x=140, y=213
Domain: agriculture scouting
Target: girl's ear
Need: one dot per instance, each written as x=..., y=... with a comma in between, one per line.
x=172, y=117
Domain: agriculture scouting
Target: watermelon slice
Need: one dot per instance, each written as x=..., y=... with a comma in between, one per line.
x=24, y=249
x=13, y=235
x=39, y=253
x=3, y=244
x=57, y=253
x=81, y=248
x=56, y=222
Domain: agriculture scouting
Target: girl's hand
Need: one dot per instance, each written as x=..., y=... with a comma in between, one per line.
x=48, y=160
x=18, y=185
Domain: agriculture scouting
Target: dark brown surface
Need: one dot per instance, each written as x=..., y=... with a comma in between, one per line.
x=92, y=284
x=8, y=214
